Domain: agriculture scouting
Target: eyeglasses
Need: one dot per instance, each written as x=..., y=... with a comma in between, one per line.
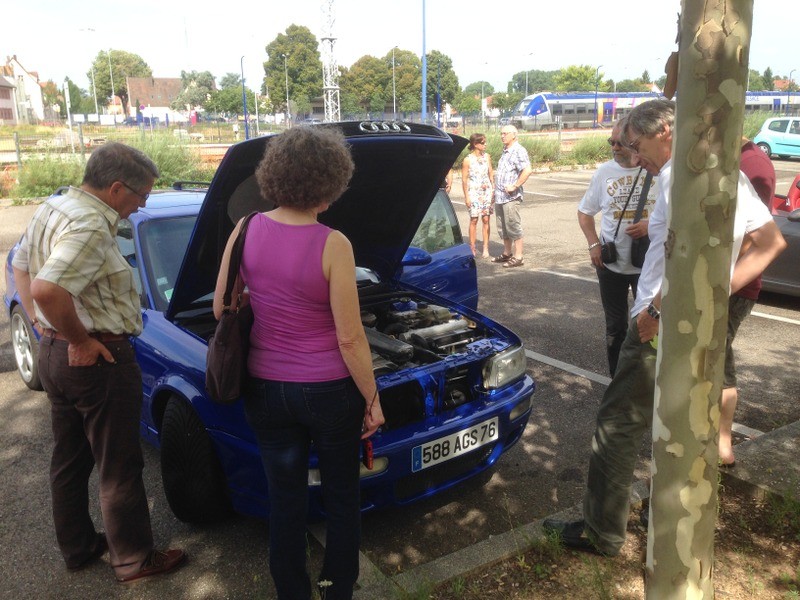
x=506, y=132
x=142, y=196
x=613, y=143
x=634, y=144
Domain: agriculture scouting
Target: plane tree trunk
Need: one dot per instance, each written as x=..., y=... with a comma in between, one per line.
x=712, y=75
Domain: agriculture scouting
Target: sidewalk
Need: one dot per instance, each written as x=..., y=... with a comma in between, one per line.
x=766, y=465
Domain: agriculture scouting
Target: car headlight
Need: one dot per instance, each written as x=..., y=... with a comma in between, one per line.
x=503, y=368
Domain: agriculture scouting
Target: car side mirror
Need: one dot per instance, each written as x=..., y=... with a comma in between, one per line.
x=416, y=257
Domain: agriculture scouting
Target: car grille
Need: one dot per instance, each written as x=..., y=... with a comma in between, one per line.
x=417, y=483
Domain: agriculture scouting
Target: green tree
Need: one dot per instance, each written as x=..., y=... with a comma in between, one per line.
x=366, y=80
x=538, y=81
x=230, y=80
x=479, y=88
x=645, y=78
x=196, y=87
x=755, y=81
x=441, y=78
x=80, y=101
x=576, y=78
x=769, y=80
x=506, y=102
x=468, y=104
x=123, y=64
x=632, y=85
x=299, y=49
x=229, y=101
x=407, y=80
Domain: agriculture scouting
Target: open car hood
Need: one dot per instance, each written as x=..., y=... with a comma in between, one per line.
x=398, y=169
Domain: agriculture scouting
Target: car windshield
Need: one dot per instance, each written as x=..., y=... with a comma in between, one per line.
x=164, y=243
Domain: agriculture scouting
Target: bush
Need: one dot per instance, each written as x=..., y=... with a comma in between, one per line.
x=41, y=177
x=590, y=150
x=175, y=160
x=753, y=122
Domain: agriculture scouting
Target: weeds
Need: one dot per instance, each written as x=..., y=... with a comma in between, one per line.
x=41, y=177
x=596, y=578
x=783, y=513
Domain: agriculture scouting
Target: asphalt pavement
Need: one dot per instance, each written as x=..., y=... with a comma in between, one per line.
x=553, y=304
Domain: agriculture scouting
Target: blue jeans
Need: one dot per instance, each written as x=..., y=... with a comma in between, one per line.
x=286, y=418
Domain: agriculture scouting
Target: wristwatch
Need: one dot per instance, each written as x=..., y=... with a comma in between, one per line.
x=653, y=312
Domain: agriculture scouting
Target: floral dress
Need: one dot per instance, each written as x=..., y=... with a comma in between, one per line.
x=479, y=187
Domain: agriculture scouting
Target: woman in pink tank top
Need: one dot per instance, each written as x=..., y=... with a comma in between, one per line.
x=310, y=366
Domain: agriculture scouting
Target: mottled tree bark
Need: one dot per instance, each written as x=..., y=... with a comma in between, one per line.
x=712, y=75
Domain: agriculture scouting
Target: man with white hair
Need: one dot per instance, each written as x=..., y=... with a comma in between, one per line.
x=513, y=170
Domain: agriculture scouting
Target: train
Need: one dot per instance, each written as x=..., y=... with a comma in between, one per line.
x=551, y=110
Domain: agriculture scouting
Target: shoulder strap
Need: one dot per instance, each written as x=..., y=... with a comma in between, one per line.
x=236, y=261
x=622, y=214
x=648, y=179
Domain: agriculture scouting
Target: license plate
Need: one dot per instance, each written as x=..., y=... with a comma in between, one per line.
x=453, y=445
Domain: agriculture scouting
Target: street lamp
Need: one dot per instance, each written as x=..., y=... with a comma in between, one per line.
x=244, y=103
x=424, y=107
x=394, y=92
x=111, y=76
x=596, y=85
x=286, y=77
x=789, y=91
x=526, y=78
x=94, y=91
x=258, y=132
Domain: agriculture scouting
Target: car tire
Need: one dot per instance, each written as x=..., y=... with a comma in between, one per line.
x=26, y=348
x=765, y=148
x=194, y=482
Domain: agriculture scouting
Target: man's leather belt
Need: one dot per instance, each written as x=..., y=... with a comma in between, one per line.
x=102, y=336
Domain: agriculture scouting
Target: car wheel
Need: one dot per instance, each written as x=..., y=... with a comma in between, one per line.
x=765, y=147
x=193, y=480
x=26, y=348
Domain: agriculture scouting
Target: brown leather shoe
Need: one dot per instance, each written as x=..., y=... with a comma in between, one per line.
x=156, y=563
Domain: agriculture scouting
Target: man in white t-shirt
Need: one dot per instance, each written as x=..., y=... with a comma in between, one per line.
x=626, y=410
x=614, y=192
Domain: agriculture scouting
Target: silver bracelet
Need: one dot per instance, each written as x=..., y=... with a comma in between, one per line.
x=595, y=245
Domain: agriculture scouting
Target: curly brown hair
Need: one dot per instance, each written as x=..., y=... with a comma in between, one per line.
x=305, y=167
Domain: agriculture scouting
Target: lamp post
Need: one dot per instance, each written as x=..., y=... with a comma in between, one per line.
x=526, y=78
x=394, y=91
x=111, y=76
x=596, y=85
x=258, y=132
x=424, y=115
x=244, y=103
x=94, y=91
x=789, y=91
x=286, y=77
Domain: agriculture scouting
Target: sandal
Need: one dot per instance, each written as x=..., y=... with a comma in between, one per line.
x=502, y=258
x=513, y=262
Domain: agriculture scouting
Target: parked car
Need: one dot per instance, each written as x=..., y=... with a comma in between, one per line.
x=782, y=276
x=453, y=383
x=779, y=137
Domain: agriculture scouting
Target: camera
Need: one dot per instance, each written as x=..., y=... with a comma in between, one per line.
x=608, y=253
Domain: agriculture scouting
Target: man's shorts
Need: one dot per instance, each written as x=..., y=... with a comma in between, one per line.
x=509, y=223
x=738, y=309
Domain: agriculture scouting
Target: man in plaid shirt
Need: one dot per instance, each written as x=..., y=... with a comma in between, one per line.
x=513, y=170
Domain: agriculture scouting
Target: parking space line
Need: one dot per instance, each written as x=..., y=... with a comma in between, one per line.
x=558, y=364
x=567, y=275
x=775, y=318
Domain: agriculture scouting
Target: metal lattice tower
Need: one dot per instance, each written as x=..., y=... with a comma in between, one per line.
x=330, y=70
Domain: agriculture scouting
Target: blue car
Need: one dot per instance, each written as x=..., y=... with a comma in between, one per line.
x=779, y=137
x=453, y=383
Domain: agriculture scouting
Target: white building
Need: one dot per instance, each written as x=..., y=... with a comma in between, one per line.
x=29, y=99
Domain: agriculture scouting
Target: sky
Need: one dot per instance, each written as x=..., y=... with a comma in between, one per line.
x=487, y=41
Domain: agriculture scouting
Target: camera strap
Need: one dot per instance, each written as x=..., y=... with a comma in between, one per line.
x=630, y=194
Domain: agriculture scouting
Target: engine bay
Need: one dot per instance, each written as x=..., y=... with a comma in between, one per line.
x=403, y=332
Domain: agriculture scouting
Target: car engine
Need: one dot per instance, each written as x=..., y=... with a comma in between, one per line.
x=404, y=332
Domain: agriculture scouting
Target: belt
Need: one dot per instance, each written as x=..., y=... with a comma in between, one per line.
x=102, y=336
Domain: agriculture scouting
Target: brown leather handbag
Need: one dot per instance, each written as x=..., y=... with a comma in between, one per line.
x=226, y=360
